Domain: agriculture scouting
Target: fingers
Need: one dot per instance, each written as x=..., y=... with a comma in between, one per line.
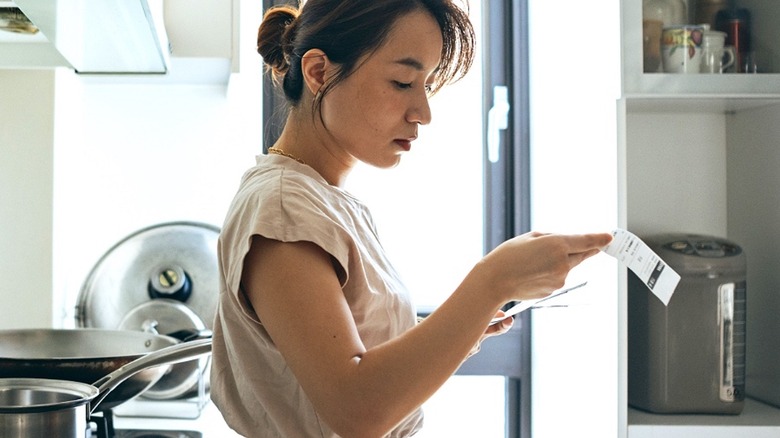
x=586, y=245
x=502, y=327
x=576, y=259
x=534, y=264
x=498, y=329
x=580, y=243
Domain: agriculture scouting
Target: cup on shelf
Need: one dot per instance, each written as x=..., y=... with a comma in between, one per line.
x=716, y=57
x=681, y=48
x=749, y=63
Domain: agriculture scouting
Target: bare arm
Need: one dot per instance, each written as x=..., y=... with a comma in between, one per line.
x=358, y=392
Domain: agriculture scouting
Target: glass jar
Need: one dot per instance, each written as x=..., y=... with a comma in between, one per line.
x=657, y=14
x=669, y=12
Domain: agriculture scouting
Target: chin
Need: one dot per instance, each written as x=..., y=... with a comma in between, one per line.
x=385, y=163
x=391, y=164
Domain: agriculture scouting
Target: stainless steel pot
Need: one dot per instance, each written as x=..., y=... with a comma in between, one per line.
x=41, y=407
x=37, y=407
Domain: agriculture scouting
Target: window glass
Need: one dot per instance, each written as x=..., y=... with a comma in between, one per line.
x=428, y=209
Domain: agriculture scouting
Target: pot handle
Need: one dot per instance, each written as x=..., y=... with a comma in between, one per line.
x=188, y=335
x=165, y=356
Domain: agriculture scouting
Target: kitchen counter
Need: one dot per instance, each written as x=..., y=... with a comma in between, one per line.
x=210, y=423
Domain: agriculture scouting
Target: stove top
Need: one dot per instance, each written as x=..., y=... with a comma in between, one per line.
x=103, y=425
x=129, y=433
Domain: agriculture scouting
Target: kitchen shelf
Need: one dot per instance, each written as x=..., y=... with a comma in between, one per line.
x=689, y=103
x=698, y=153
x=765, y=35
x=683, y=86
x=758, y=420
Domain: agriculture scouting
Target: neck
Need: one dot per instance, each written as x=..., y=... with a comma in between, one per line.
x=305, y=143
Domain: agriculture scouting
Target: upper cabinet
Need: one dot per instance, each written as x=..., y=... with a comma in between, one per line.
x=765, y=46
x=116, y=36
x=203, y=29
x=93, y=36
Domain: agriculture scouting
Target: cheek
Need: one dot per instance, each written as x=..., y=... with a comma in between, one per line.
x=365, y=109
x=369, y=102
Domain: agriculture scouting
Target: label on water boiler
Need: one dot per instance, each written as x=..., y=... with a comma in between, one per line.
x=629, y=249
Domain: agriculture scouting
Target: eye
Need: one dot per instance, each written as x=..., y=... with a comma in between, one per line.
x=403, y=85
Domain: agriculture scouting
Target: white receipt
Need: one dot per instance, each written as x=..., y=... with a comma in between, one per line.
x=527, y=304
x=629, y=250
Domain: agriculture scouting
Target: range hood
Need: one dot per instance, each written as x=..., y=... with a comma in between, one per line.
x=90, y=36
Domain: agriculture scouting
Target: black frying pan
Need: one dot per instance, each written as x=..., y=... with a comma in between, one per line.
x=81, y=355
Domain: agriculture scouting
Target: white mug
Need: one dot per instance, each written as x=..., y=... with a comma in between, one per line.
x=715, y=57
x=681, y=48
x=716, y=60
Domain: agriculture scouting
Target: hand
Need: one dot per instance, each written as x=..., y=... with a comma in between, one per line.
x=533, y=265
x=493, y=330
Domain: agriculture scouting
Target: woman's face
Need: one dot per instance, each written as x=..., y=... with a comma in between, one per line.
x=373, y=115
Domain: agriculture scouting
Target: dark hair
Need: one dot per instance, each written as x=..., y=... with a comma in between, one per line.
x=347, y=30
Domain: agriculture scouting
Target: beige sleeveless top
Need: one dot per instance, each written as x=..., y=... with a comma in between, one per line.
x=282, y=199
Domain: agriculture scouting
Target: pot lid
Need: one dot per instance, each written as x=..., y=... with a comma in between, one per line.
x=168, y=316
x=27, y=395
x=171, y=261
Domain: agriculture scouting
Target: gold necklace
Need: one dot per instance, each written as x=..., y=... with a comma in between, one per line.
x=277, y=151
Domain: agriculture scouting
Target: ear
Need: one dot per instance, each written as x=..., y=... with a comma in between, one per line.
x=316, y=68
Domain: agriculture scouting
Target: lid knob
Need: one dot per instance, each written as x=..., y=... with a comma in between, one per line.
x=170, y=282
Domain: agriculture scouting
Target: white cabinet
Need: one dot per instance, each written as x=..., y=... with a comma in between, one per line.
x=700, y=153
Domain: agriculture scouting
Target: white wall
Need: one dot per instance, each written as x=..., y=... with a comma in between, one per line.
x=26, y=136
x=575, y=84
x=129, y=156
x=135, y=152
x=656, y=204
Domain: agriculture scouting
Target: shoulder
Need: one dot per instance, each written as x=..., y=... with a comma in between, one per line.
x=287, y=186
x=284, y=200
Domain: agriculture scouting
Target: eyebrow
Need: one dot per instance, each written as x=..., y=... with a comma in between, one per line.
x=413, y=63
x=410, y=62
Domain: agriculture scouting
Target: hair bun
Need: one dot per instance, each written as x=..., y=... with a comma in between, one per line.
x=274, y=36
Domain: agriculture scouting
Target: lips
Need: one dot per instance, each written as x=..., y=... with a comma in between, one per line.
x=405, y=143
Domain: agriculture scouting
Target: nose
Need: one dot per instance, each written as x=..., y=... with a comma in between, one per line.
x=420, y=110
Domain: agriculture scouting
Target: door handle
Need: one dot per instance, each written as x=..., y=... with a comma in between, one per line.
x=498, y=120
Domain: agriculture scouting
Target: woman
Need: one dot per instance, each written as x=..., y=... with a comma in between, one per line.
x=316, y=335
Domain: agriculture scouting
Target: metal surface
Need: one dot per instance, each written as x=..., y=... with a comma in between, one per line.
x=81, y=355
x=170, y=355
x=726, y=321
x=169, y=316
x=163, y=278
x=35, y=395
x=40, y=407
x=153, y=263
x=706, y=315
